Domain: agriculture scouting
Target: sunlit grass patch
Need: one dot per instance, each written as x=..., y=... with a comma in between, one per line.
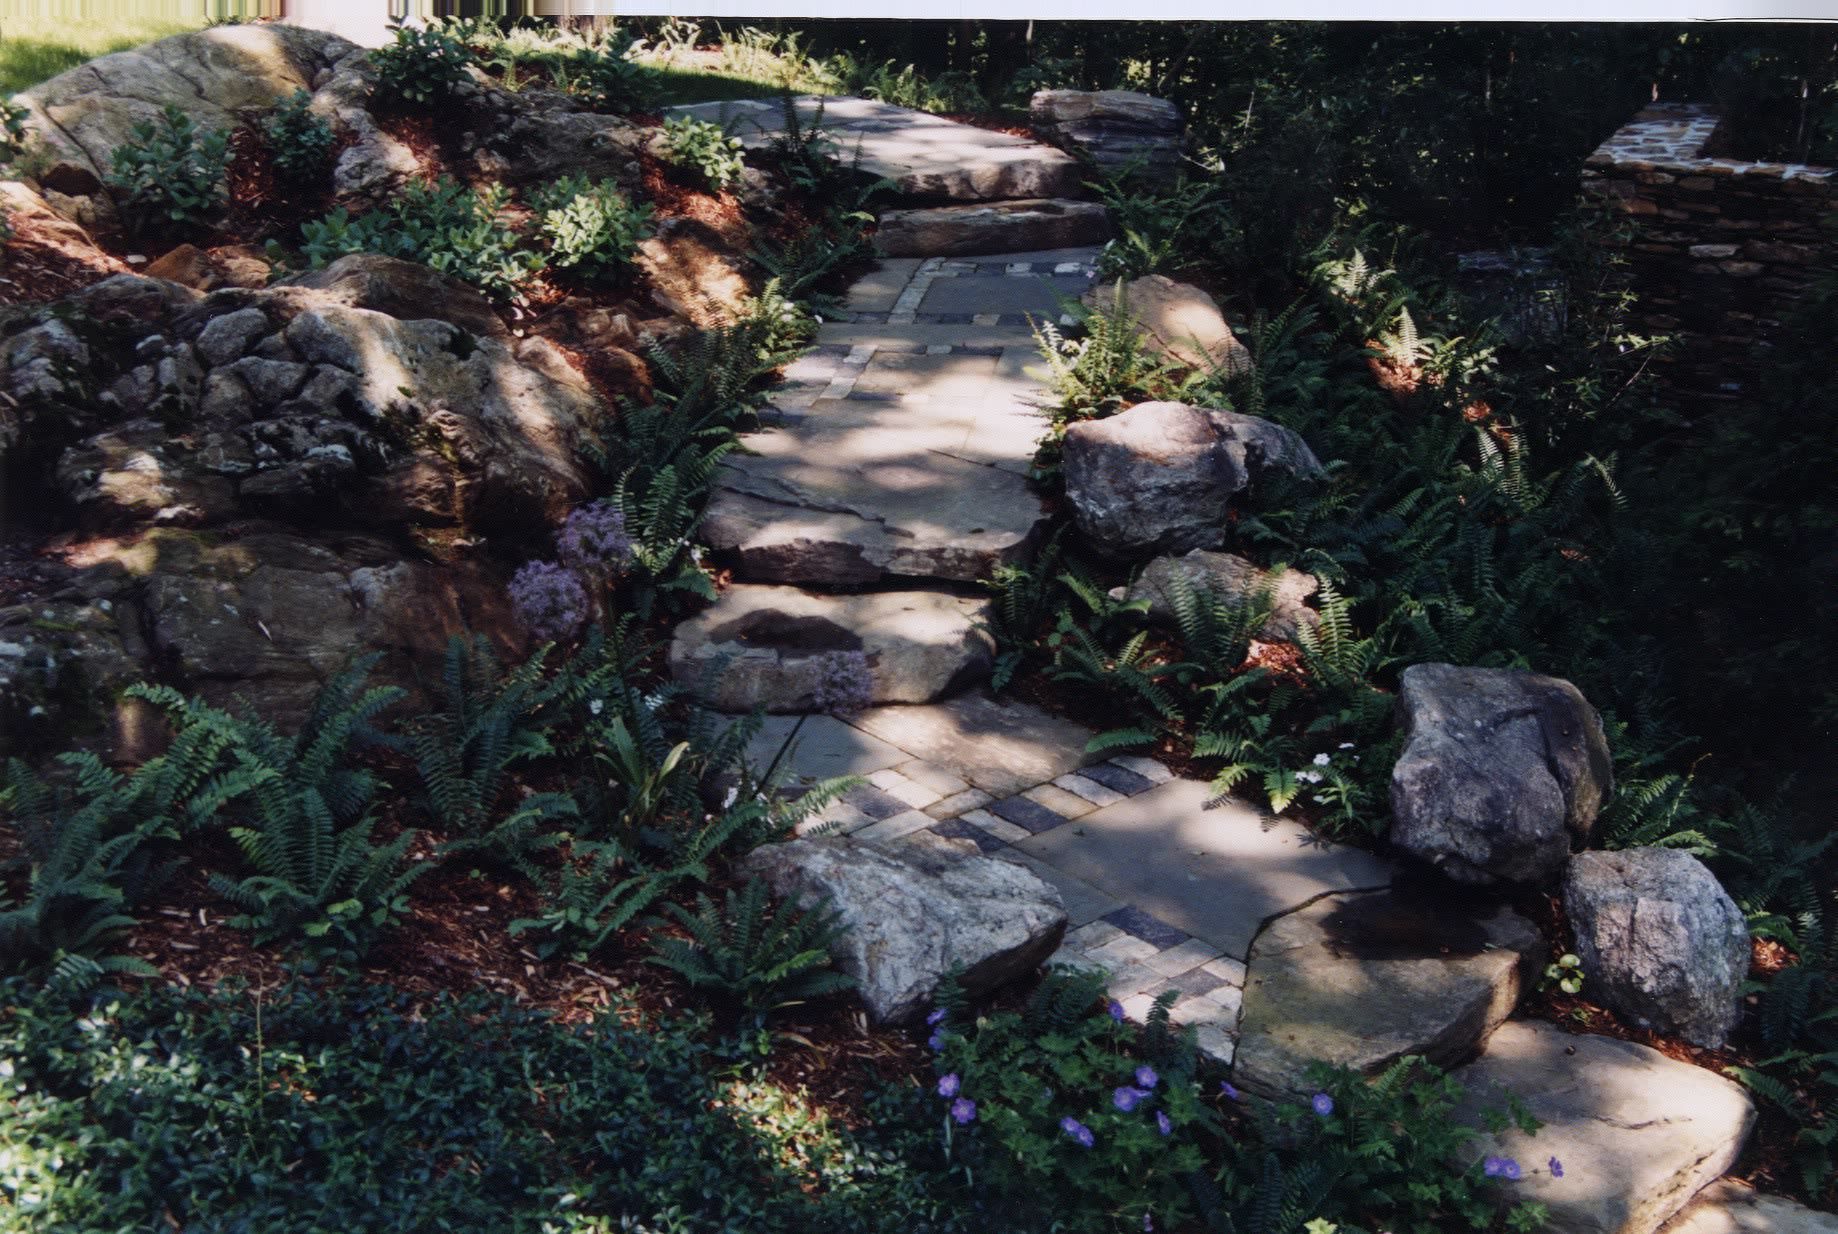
x=34, y=49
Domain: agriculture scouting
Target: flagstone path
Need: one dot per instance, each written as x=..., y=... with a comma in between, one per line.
x=895, y=460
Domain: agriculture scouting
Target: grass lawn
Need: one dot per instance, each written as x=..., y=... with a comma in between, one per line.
x=33, y=49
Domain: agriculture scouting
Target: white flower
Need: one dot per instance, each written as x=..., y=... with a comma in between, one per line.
x=596, y=706
x=1309, y=777
x=1322, y=760
x=1346, y=745
x=729, y=799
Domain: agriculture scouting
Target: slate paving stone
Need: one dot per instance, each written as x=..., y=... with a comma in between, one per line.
x=1133, y=920
x=1031, y=815
x=1084, y=903
x=1118, y=779
x=824, y=748
x=1218, y=874
x=1196, y=982
x=1002, y=294
x=958, y=829
x=875, y=803
x=1000, y=746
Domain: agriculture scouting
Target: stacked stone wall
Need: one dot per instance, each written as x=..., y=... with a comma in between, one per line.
x=1722, y=248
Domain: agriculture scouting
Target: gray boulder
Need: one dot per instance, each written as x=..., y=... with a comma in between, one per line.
x=1360, y=981
x=1502, y=770
x=917, y=909
x=1116, y=129
x=992, y=227
x=1179, y=322
x=770, y=646
x=1159, y=477
x=1234, y=580
x=1730, y=1207
x=1660, y=940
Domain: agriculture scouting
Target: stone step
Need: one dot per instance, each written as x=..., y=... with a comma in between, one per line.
x=925, y=157
x=778, y=647
x=992, y=227
x=1728, y=1207
x=1637, y=1134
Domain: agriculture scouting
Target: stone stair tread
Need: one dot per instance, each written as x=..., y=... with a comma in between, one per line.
x=991, y=227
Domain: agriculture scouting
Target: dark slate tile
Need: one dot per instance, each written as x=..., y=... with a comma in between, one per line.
x=1028, y=814
x=869, y=319
x=831, y=349
x=975, y=349
x=899, y=347
x=874, y=803
x=1020, y=319
x=1195, y=981
x=874, y=396
x=1132, y=920
x=950, y=319
x=958, y=829
x=1117, y=779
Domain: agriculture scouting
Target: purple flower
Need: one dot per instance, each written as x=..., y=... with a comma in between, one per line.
x=963, y=1110
x=936, y=1041
x=1126, y=1099
x=948, y=1085
x=1557, y=1168
x=1322, y=1104
x=1148, y=1222
x=1077, y=1130
x=1116, y=1011
x=844, y=683
x=549, y=599
x=1225, y=1086
x=1493, y=1167
x=932, y=1021
x=1509, y=1169
x=1146, y=1077
x=594, y=538
x=1163, y=1123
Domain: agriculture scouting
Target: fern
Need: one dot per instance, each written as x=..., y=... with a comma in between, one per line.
x=756, y=958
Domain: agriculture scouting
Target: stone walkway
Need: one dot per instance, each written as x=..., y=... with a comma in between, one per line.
x=891, y=477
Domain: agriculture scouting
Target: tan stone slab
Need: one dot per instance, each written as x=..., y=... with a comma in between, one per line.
x=1058, y=800
x=999, y=746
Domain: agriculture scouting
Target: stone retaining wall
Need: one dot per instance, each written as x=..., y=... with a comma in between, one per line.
x=1722, y=247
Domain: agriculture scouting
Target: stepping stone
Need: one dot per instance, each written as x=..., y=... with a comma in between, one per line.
x=999, y=746
x=925, y=156
x=1036, y=295
x=991, y=227
x=1638, y=1134
x=855, y=498
x=1218, y=874
x=772, y=647
x=1360, y=981
x=822, y=748
x=1730, y=1207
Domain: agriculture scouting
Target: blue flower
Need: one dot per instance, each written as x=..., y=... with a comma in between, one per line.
x=963, y=1110
x=1322, y=1104
x=1163, y=1123
x=1126, y=1099
x=948, y=1085
x=1509, y=1169
x=1116, y=1011
x=1557, y=1168
x=1148, y=1222
x=1146, y=1077
x=1077, y=1130
x=1225, y=1086
x=936, y=1041
x=1493, y=1167
x=932, y=1020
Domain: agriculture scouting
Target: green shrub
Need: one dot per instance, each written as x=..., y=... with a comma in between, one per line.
x=606, y=79
x=169, y=172
x=1162, y=231
x=12, y=132
x=355, y=1109
x=705, y=149
x=299, y=142
x=748, y=954
x=446, y=226
x=590, y=229
x=421, y=66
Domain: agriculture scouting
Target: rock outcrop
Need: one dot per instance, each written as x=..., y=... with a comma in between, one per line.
x=1160, y=477
x=1119, y=130
x=1660, y=940
x=1502, y=771
x=915, y=910
x=1234, y=580
x=1179, y=322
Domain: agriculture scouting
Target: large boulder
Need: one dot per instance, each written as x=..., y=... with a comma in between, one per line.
x=1730, y=1207
x=991, y=227
x=1160, y=477
x=1660, y=940
x=406, y=290
x=1234, y=580
x=1502, y=770
x=914, y=911
x=1361, y=981
x=771, y=647
x=1119, y=130
x=83, y=116
x=1179, y=322
x=1636, y=1134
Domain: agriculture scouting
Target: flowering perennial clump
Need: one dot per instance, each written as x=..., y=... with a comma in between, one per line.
x=594, y=539
x=549, y=599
